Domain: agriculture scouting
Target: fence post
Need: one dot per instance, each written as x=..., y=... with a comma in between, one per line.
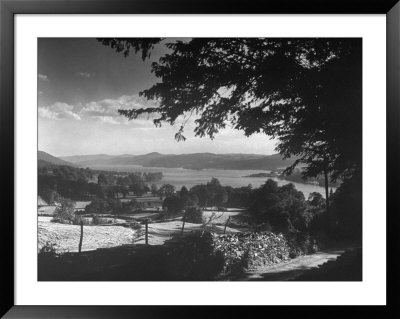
x=227, y=222
x=183, y=224
x=81, y=239
x=147, y=231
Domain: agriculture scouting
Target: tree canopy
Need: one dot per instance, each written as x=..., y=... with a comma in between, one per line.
x=303, y=92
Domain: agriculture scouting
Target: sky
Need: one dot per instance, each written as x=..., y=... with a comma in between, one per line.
x=81, y=86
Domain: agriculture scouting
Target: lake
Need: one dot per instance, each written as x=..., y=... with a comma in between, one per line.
x=186, y=177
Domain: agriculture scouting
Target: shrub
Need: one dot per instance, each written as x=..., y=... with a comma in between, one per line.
x=194, y=215
x=49, y=196
x=98, y=206
x=135, y=225
x=193, y=258
x=96, y=220
x=48, y=249
x=346, y=211
x=301, y=244
x=85, y=220
x=77, y=220
x=65, y=212
x=173, y=204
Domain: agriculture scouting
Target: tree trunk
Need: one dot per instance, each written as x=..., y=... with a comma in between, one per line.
x=227, y=222
x=147, y=232
x=327, y=198
x=183, y=225
x=81, y=239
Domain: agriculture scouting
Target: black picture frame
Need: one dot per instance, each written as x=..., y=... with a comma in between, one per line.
x=8, y=10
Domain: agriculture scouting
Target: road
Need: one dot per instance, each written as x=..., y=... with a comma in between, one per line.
x=291, y=269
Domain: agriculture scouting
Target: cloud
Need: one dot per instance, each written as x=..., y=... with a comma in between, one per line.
x=107, y=110
x=107, y=119
x=58, y=111
x=85, y=74
x=101, y=108
x=104, y=111
x=43, y=77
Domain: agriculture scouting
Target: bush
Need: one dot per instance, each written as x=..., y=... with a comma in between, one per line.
x=253, y=249
x=99, y=206
x=173, y=204
x=77, y=220
x=194, y=215
x=65, y=213
x=48, y=249
x=346, y=211
x=96, y=220
x=135, y=225
x=282, y=207
x=85, y=220
x=49, y=196
x=47, y=260
x=301, y=244
x=193, y=258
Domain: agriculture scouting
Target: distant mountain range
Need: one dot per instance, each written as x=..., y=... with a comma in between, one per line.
x=197, y=161
x=45, y=159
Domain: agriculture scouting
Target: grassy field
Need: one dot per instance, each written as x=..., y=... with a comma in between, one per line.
x=48, y=210
x=66, y=237
x=160, y=232
x=221, y=217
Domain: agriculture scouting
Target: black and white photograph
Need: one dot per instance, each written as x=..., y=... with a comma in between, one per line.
x=200, y=159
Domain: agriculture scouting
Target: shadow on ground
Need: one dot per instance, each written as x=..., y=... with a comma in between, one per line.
x=339, y=266
x=166, y=263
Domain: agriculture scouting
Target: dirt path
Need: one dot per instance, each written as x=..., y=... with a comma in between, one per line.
x=291, y=269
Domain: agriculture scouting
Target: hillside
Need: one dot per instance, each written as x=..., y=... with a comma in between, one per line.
x=45, y=159
x=196, y=161
x=84, y=158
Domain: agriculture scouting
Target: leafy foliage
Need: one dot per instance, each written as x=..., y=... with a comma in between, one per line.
x=285, y=208
x=80, y=183
x=66, y=181
x=305, y=92
x=125, y=45
x=181, y=200
x=111, y=206
x=193, y=257
x=65, y=212
x=194, y=215
x=253, y=249
x=48, y=249
x=210, y=194
x=173, y=204
x=347, y=210
x=281, y=209
x=49, y=195
x=166, y=190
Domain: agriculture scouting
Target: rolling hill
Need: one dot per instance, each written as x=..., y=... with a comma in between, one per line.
x=84, y=158
x=196, y=161
x=45, y=159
